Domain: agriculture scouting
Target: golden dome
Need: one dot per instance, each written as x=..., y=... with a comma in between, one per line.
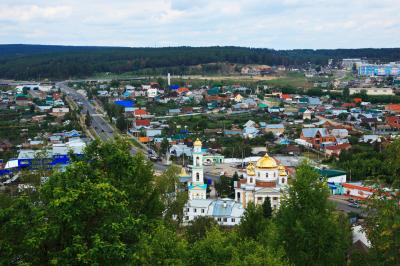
x=250, y=170
x=183, y=172
x=266, y=162
x=282, y=170
x=197, y=143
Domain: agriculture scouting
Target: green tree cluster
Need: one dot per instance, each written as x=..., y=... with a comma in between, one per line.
x=108, y=208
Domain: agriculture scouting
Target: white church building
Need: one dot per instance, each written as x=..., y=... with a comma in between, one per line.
x=227, y=212
x=264, y=179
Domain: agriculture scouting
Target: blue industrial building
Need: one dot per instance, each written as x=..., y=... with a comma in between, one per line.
x=379, y=70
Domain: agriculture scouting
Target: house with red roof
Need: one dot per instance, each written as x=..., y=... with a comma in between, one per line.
x=393, y=121
x=337, y=149
x=182, y=91
x=142, y=123
x=348, y=105
x=286, y=97
x=394, y=108
x=357, y=191
x=138, y=113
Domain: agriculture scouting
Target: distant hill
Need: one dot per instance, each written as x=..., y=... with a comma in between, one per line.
x=59, y=62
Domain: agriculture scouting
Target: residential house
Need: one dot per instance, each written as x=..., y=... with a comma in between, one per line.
x=183, y=91
x=59, y=112
x=174, y=111
x=152, y=92
x=337, y=149
x=232, y=132
x=372, y=91
x=307, y=114
x=187, y=110
x=277, y=129
x=393, y=122
x=23, y=99
x=38, y=118
x=316, y=136
x=357, y=191
x=151, y=133
x=340, y=133
x=250, y=132
x=140, y=113
x=238, y=98
x=286, y=98
x=179, y=149
x=393, y=108
x=141, y=123
x=250, y=123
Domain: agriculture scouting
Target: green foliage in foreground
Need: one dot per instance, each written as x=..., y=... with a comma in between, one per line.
x=110, y=209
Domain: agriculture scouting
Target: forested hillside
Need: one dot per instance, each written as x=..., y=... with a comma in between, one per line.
x=59, y=62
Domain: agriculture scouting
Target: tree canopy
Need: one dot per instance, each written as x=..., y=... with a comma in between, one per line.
x=109, y=208
x=46, y=61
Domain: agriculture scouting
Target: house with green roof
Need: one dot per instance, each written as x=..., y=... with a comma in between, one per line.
x=335, y=180
x=214, y=91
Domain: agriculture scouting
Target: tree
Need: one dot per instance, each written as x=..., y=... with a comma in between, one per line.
x=199, y=227
x=235, y=178
x=122, y=123
x=228, y=248
x=253, y=222
x=173, y=195
x=267, y=209
x=95, y=212
x=164, y=146
x=161, y=246
x=89, y=94
x=392, y=158
x=343, y=116
x=223, y=186
x=88, y=119
x=309, y=229
x=354, y=68
x=382, y=226
x=114, y=83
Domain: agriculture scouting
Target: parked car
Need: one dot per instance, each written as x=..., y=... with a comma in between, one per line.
x=354, y=205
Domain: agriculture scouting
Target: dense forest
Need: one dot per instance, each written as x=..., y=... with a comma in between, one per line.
x=60, y=62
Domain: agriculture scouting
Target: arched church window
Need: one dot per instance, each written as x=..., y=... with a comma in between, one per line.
x=197, y=177
x=197, y=161
x=251, y=180
x=238, y=195
x=283, y=180
x=258, y=174
x=266, y=175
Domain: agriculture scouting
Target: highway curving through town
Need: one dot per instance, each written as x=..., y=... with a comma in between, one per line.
x=102, y=126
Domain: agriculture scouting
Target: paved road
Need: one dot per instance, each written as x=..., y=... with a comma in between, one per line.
x=102, y=127
x=343, y=206
x=98, y=123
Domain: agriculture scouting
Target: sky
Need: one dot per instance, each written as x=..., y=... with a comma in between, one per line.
x=278, y=24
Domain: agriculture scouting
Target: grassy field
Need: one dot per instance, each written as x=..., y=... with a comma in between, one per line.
x=290, y=80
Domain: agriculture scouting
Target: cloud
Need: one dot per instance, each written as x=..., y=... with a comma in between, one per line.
x=280, y=24
x=27, y=13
